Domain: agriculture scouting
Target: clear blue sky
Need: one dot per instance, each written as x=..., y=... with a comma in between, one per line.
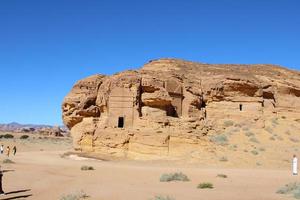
x=46, y=46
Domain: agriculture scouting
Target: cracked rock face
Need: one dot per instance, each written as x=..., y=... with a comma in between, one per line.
x=168, y=107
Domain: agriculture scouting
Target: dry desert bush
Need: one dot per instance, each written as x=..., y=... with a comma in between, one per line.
x=174, y=177
x=205, y=185
x=160, y=197
x=75, y=196
x=86, y=168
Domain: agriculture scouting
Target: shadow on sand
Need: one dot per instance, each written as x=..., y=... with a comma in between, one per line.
x=19, y=196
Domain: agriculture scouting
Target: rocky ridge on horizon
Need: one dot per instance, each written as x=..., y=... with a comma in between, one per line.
x=48, y=130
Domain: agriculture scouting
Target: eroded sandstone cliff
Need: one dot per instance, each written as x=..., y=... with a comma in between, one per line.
x=171, y=108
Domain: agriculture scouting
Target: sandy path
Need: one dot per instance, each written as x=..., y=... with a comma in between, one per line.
x=48, y=176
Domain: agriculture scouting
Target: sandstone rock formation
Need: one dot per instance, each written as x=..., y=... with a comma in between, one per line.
x=169, y=107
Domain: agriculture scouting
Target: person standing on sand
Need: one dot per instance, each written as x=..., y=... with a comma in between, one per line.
x=295, y=165
x=15, y=150
x=7, y=151
x=1, y=175
x=1, y=149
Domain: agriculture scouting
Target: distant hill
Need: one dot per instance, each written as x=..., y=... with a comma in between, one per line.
x=34, y=128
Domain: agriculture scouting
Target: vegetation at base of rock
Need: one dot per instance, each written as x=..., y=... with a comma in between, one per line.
x=205, y=185
x=8, y=161
x=223, y=159
x=291, y=188
x=222, y=176
x=85, y=168
x=219, y=139
x=228, y=123
x=174, y=177
x=76, y=196
x=23, y=137
x=160, y=197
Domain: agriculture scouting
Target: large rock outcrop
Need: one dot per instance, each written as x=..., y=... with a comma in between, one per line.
x=169, y=107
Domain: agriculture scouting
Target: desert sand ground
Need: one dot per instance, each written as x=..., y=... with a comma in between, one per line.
x=40, y=172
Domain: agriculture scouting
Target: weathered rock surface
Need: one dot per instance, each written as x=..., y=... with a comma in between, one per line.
x=170, y=107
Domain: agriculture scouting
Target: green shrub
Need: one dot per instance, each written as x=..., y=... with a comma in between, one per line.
x=8, y=161
x=23, y=137
x=222, y=175
x=205, y=185
x=297, y=194
x=85, y=168
x=75, y=196
x=219, y=139
x=160, y=197
x=8, y=136
x=174, y=177
x=228, y=123
x=289, y=188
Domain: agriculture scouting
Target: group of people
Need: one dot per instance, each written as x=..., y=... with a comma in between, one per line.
x=14, y=150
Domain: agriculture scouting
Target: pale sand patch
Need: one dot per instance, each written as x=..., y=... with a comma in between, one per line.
x=49, y=176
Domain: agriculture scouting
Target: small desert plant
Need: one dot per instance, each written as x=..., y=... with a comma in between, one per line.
x=23, y=137
x=8, y=136
x=205, y=185
x=76, y=196
x=174, y=177
x=85, y=168
x=253, y=139
x=223, y=159
x=289, y=188
x=160, y=197
x=283, y=117
x=220, y=139
x=222, y=176
x=8, y=161
x=228, y=123
x=254, y=152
